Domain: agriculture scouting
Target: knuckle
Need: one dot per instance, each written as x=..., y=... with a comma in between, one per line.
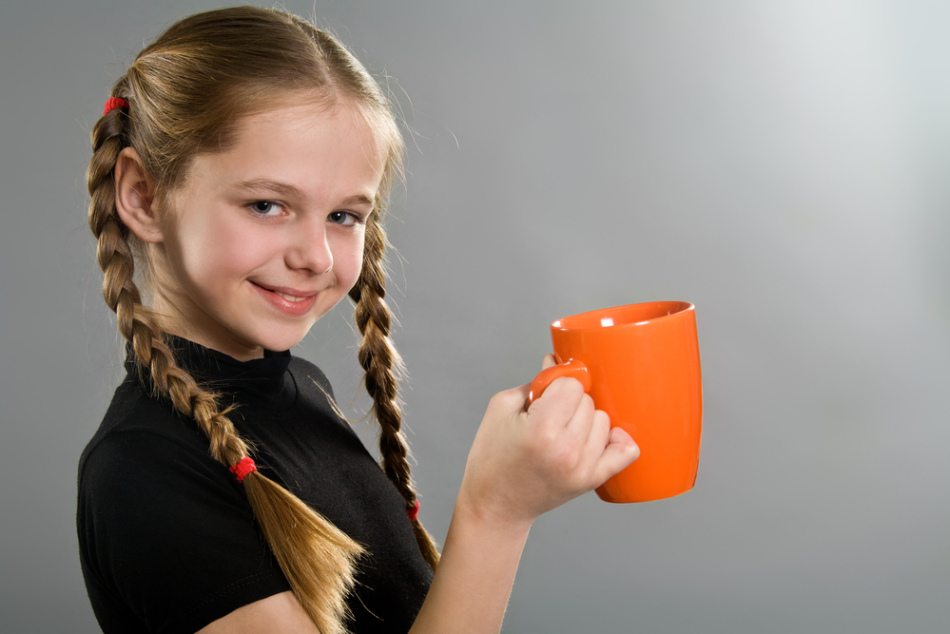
x=496, y=400
x=503, y=400
x=564, y=461
x=578, y=481
x=546, y=439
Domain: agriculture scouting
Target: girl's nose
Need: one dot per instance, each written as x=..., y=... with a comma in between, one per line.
x=309, y=246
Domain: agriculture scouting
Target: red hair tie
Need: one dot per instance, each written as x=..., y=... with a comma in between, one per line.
x=243, y=467
x=413, y=513
x=114, y=102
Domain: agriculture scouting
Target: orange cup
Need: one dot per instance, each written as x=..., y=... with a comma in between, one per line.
x=640, y=364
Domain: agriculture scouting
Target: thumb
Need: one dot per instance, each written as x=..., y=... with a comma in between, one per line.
x=512, y=400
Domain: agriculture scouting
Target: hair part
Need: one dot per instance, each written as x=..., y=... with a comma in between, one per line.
x=187, y=92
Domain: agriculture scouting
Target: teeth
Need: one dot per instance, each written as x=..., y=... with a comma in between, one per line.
x=291, y=298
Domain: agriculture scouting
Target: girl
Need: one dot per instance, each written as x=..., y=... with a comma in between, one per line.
x=242, y=168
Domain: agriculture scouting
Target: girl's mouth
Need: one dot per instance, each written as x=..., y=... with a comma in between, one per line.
x=291, y=298
x=287, y=300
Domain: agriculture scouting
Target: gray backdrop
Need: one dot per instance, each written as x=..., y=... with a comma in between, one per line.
x=783, y=165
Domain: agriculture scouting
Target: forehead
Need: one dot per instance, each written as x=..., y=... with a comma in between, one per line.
x=311, y=146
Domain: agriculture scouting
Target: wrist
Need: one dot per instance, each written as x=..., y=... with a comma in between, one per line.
x=487, y=518
x=471, y=586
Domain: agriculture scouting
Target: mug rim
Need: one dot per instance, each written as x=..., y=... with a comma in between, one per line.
x=583, y=319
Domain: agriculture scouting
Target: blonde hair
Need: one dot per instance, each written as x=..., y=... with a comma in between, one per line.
x=186, y=92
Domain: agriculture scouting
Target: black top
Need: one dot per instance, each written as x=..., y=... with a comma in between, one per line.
x=166, y=536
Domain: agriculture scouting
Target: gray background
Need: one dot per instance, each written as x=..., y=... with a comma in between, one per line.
x=783, y=165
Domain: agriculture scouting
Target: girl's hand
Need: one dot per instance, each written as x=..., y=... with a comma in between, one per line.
x=524, y=463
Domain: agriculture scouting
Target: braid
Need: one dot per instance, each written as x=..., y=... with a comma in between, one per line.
x=380, y=361
x=183, y=105
x=317, y=558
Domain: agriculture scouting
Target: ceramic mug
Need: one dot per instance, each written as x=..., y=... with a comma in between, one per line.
x=640, y=364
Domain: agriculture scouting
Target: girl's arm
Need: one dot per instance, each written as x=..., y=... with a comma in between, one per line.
x=277, y=614
x=521, y=465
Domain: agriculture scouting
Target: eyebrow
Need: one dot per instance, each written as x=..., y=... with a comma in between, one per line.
x=264, y=184
x=289, y=191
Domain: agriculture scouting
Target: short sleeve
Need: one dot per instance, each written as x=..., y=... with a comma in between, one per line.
x=167, y=538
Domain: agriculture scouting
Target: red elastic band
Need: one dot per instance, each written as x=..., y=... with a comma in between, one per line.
x=243, y=467
x=114, y=102
x=413, y=513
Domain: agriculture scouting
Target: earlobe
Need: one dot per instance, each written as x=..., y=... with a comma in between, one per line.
x=134, y=195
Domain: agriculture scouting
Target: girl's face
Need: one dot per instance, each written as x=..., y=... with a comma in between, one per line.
x=265, y=238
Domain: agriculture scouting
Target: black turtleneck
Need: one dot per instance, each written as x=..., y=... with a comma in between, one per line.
x=167, y=539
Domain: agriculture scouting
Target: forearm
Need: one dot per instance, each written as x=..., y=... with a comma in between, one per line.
x=473, y=582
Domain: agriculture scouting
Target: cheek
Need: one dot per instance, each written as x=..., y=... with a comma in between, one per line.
x=218, y=251
x=348, y=261
x=358, y=260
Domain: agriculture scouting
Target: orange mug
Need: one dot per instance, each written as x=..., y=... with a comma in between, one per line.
x=640, y=364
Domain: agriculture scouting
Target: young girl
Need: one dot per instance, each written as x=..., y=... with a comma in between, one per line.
x=241, y=169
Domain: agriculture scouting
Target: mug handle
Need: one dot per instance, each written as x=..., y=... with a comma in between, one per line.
x=573, y=368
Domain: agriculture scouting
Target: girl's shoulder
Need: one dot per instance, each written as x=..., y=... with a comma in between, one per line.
x=163, y=525
x=137, y=421
x=143, y=450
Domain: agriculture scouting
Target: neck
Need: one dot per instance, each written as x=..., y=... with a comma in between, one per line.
x=183, y=319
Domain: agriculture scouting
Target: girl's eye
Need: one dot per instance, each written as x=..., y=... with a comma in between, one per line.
x=344, y=218
x=265, y=208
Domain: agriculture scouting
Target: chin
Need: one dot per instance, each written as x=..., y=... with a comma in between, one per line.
x=280, y=341
x=279, y=344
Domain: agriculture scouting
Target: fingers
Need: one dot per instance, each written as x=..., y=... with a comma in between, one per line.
x=601, y=451
x=548, y=362
x=599, y=436
x=587, y=450
x=558, y=405
x=621, y=451
x=529, y=462
x=559, y=401
x=582, y=423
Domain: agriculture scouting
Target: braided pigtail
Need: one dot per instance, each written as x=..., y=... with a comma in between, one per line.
x=380, y=361
x=184, y=96
x=317, y=558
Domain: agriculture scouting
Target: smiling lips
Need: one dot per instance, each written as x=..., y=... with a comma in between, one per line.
x=288, y=300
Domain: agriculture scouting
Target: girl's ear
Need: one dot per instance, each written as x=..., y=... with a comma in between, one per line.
x=134, y=194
